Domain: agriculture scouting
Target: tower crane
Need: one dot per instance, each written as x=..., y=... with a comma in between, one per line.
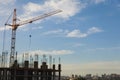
x=15, y=25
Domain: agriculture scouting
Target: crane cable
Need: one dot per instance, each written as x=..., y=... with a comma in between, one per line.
x=4, y=32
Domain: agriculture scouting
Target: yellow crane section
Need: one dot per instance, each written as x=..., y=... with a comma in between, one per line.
x=15, y=25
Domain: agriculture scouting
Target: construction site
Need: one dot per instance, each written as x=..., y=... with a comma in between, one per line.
x=31, y=67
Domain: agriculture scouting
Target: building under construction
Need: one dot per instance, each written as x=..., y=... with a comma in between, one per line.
x=31, y=71
x=28, y=69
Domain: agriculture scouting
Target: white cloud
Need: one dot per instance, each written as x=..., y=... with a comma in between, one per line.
x=98, y=1
x=107, y=67
x=93, y=30
x=45, y=52
x=106, y=49
x=42, y=52
x=52, y=52
x=78, y=45
x=38, y=27
x=31, y=8
x=78, y=34
x=26, y=55
x=5, y=7
x=70, y=8
x=6, y=2
x=58, y=31
x=25, y=28
x=3, y=28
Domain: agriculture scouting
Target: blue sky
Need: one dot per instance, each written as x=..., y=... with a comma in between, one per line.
x=85, y=35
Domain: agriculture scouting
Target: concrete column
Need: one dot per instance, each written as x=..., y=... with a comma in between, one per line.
x=36, y=64
x=14, y=74
x=53, y=71
x=26, y=66
x=4, y=74
x=59, y=68
x=25, y=74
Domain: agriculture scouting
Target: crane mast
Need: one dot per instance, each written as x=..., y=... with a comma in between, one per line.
x=15, y=25
x=13, y=38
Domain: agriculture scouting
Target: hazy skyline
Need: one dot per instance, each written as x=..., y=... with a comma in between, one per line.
x=85, y=35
